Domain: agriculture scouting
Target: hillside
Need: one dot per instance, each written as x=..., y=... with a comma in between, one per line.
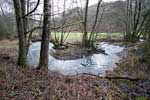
x=112, y=19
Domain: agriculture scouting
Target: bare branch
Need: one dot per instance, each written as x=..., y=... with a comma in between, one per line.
x=32, y=10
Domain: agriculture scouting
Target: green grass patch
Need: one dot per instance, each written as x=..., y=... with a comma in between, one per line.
x=78, y=36
x=140, y=98
x=74, y=36
x=109, y=35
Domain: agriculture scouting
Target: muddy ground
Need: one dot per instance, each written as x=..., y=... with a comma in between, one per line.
x=18, y=83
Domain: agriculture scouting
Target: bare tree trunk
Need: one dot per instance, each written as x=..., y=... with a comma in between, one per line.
x=43, y=64
x=20, y=28
x=85, y=33
x=23, y=9
x=135, y=22
x=91, y=37
x=25, y=23
x=28, y=38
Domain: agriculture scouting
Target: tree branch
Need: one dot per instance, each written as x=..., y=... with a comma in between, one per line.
x=32, y=10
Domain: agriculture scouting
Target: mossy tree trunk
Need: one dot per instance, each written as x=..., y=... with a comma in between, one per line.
x=21, y=35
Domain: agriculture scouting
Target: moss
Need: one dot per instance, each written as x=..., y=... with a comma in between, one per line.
x=140, y=98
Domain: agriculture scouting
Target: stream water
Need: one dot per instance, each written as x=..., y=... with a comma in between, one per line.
x=96, y=64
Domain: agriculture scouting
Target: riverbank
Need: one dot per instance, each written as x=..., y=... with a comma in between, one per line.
x=31, y=84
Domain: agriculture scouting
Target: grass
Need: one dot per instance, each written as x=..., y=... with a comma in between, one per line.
x=78, y=36
x=109, y=35
x=140, y=98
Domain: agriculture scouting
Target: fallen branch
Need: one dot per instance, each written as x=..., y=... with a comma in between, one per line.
x=115, y=77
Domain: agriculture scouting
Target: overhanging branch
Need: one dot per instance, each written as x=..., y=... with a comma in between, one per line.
x=32, y=10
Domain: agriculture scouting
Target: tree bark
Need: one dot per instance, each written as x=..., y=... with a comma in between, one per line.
x=25, y=22
x=85, y=33
x=23, y=10
x=43, y=63
x=135, y=22
x=91, y=37
x=21, y=36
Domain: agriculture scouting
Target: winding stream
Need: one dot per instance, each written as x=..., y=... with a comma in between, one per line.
x=96, y=64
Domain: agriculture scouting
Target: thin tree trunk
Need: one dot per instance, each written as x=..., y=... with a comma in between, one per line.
x=43, y=63
x=91, y=37
x=85, y=33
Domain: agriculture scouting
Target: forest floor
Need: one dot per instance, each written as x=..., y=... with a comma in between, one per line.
x=18, y=83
